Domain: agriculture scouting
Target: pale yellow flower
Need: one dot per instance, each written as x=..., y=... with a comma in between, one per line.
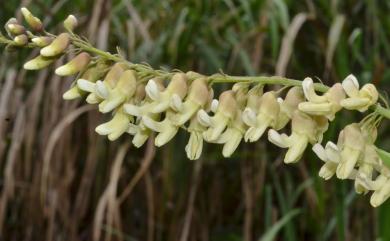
x=288, y=106
x=327, y=104
x=267, y=116
x=232, y=136
x=353, y=147
x=92, y=74
x=199, y=95
x=116, y=127
x=330, y=155
x=303, y=131
x=225, y=113
x=166, y=128
x=175, y=92
x=357, y=99
x=195, y=143
x=99, y=90
x=252, y=105
x=124, y=90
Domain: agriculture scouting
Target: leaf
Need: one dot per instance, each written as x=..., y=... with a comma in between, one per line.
x=271, y=233
x=384, y=155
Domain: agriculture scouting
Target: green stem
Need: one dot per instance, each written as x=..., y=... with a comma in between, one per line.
x=275, y=80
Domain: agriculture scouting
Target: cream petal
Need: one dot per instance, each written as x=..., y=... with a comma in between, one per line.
x=93, y=99
x=351, y=86
x=152, y=90
x=332, y=152
x=249, y=117
x=176, y=103
x=102, y=90
x=315, y=108
x=166, y=135
x=319, y=150
x=204, y=119
x=232, y=143
x=214, y=105
x=297, y=147
x=348, y=161
x=111, y=103
x=355, y=103
x=86, y=85
x=381, y=195
x=328, y=170
x=309, y=92
x=194, y=146
x=278, y=139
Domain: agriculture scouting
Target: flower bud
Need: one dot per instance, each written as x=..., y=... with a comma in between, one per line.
x=21, y=40
x=8, y=23
x=16, y=29
x=70, y=23
x=38, y=62
x=42, y=41
x=34, y=22
x=57, y=47
x=79, y=63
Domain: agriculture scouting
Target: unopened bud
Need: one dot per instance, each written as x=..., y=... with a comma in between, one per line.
x=21, y=40
x=8, y=23
x=39, y=62
x=16, y=29
x=70, y=23
x=42, y=41
x=34, y=22
x=57, y=47
x=79, y=63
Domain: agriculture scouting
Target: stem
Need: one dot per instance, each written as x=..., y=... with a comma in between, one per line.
x=275, y=80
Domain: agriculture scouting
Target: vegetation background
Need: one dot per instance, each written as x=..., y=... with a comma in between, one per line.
x=59, y=180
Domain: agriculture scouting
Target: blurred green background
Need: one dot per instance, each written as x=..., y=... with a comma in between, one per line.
x=59, y=180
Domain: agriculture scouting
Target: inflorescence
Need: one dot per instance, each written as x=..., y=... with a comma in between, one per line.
x=145, y=101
